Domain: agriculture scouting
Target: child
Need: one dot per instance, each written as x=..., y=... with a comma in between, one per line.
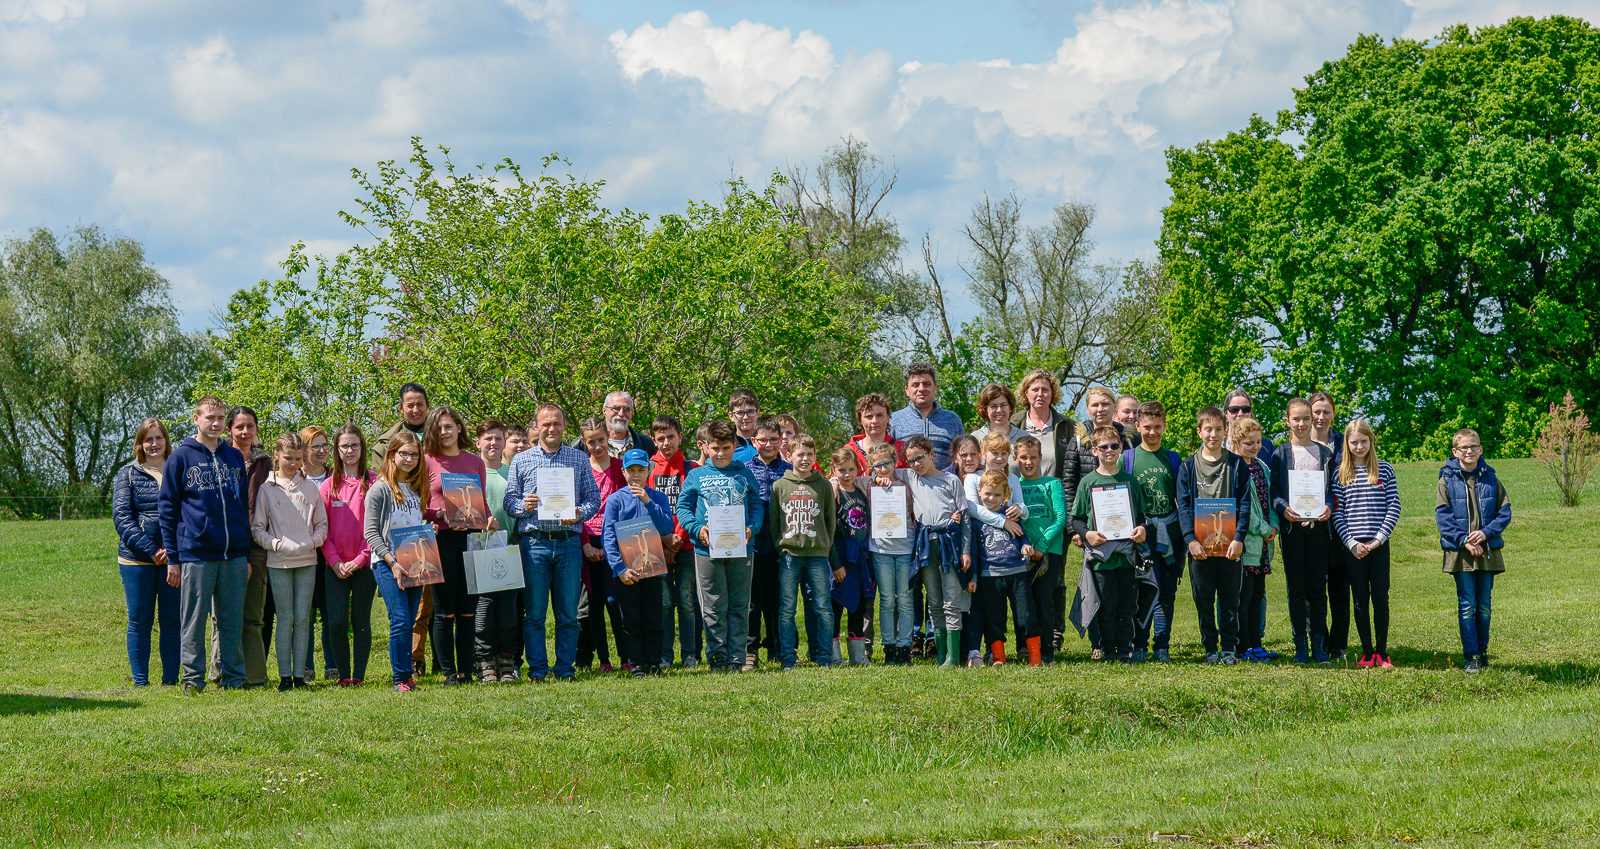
x=1111, y=560
x=1000, y=562
x=1214, y=472
x=1473, y=512
x=397, y=499
x=350, y=581
x=1324, y=434
x=667, y=476
x=801, y=519
x=744, y=412
x=1307, y=544
x=996, y=448
x=936, y=503
x=724, y=582
x=852, y=575
x=892, y=559
x=966, y=458
x=1155, y=470
x=766, y=467
x=872, y=411
x=291, y=524
x=597, y=600
x=1245, y=436
x=1367, y=508
x=516, y=443
x=497, y=626
x=640, y=598
x=1046, y=526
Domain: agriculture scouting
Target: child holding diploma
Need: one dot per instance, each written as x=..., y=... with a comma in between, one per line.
x=893, y=529
x=1302, y=496
x=1214, y=515
x=457, y=482
x=712, y=495
x=1108, y=513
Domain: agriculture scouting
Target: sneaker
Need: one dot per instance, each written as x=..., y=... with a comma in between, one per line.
x=539, y=679
x=627, y=667
x=690, y=663
x=356, y=682
x=1483, y=661
x=1301, y=657
x=302, y=684
x=1162, y=656
x=331, y=674
x=1097, y=654
x=347, y=682
x=406, y=686
x=1383, y=661
x=787, y=667
x=450, y=681
x=1367, y=661
x=1140, y=655
x=190, y=689
x=285, y=685
x=1229, y=658
x=1473, y=667
x=567, y=679
x=1321, y=657
x=606, y=667
x=1126, y=660
x=974, y=660
x=637, y=672
x=1213, y=657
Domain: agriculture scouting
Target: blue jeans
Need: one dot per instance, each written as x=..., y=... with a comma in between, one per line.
x=204, y=588
x=895, y=615
x=552, y=578
x=149, y=597
x=819, y=631
x=1472, y=604
x=402, y=605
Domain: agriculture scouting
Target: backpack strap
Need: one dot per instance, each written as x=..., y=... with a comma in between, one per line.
x=1127, y=460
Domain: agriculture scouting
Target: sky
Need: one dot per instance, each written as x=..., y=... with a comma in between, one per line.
x=219, y=134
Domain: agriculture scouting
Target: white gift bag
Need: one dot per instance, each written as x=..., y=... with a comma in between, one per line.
x=491, y=565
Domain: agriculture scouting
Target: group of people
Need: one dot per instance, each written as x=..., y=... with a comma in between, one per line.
x=941, y=543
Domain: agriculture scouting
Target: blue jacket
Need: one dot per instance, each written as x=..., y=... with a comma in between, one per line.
x=621, y=507
x=710, y=486
x=1240, y=495
x=134, y=497
x=765, y=476
x=1279, y=467
x=1452, y=519
x=204, y=503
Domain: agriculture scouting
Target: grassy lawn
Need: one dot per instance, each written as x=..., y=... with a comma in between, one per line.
x=1078, y=754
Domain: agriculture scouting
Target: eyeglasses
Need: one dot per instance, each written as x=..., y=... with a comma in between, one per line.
x=323, y=447
x=883, y=464
x=917, y=459
x=1239, y=410
x=407, y=455
x=1469, y=448
x=619, y=408
x=744, y=413
x=995, y=408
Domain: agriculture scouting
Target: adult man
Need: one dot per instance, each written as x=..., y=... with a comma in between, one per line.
x=924, y=417
x=203, y=507
x=413, y=412
x=1127, y=412
x=551, y=560
x=618, y=416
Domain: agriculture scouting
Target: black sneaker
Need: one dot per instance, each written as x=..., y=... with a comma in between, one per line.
x=300, y=684
x=285, y=685
x=1483, y=661
x=1473, y=666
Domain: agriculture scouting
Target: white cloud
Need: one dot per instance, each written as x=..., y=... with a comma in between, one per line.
x=743, y=67
x=46, y=11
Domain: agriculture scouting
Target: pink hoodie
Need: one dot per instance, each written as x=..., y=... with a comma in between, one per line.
x=347, y=511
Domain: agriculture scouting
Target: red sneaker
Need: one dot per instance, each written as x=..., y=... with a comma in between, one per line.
x=1384, y=662
x=1367, y=661
x=407, y=686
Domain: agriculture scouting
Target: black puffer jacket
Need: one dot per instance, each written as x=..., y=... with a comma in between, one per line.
x=133, y=512
x=1087, y=462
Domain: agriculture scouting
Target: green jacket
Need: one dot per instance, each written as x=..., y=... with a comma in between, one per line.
x=801, y=514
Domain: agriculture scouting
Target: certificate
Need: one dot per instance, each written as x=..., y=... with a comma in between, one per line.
x=725, y=526
x=558, y=495
x=1307, y=493
x=889, y=512
x=1113, y=510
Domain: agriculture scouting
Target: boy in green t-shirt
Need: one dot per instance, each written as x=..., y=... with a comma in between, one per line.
x=1155, y=469
x=1046, y=525
x=1110, y=560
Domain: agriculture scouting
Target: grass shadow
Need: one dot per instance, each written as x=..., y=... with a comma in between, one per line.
x=20, y=704
x=1561, y=674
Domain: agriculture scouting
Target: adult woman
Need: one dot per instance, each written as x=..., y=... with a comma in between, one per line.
x=1057, y=434
x=241, y=426
x=445, y=445
x=142, y=557
x=348, y=577
x=396, y=500
x=316, y=471
x=996, y=404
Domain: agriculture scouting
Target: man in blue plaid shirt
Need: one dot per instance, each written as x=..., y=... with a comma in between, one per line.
x=552, y=562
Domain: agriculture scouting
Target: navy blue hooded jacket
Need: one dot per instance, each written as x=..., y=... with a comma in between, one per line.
x=204, y=503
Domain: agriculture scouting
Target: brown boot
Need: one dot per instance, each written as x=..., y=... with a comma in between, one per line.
x=998, y=649
x=1034, y=658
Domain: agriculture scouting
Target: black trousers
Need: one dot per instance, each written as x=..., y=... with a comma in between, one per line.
x=349, y=603
x=1251, y=593
x=1042, y=588
x=594, y=602
x=497, y=626
x=764, y=603
x=643, y=641
x=1305, y=572
x=453, y=607
x=1369, y=585
x=1119, y=600
x=1215, y=582
x=1338, y=599
x=997, y=592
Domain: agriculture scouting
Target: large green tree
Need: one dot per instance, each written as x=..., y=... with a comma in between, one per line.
x=89, y=347
x=1418, y=235
x=500, y=291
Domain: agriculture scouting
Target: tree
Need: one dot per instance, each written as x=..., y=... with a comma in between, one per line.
x=89, y=347
x=500, y=292
x=1567, y=450
x=1416, y=236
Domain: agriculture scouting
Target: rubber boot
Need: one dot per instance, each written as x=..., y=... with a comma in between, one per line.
x=836, y=658
x=858, y=652
x=1034, y=658
x=998, y=649
x=949, y=649
x=941, y=645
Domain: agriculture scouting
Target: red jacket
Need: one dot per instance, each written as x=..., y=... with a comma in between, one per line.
x=866, y=471
x=666, y=477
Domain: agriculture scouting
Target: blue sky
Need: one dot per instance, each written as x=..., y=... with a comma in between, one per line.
x=220, y=133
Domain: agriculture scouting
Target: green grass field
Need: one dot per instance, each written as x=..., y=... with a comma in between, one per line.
x=1078, y=754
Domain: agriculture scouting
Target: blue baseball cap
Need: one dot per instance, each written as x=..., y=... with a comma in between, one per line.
x=635, y=457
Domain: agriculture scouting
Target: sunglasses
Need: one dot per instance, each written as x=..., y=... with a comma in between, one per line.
x=1238, y=410
x=1109, y=446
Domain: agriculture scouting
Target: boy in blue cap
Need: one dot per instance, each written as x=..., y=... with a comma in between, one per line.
x=642, y=593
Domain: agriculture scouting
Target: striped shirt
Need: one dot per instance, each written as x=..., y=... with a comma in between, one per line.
x=524, y=476
x=1364, y=511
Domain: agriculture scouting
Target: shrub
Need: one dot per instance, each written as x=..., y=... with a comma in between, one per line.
x=1568, y=450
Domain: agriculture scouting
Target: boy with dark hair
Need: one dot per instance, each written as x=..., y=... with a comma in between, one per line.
x=743, y=411
x=801, y=518
x=667, y=476
x=497, y=623
x=203, y=508
x=765, y=467
x=724, y=582
x=1112, y=561
x=1215, y=573
x=1472, y=514
x=936, y=501
x=1155, y=470
x=1046, y=526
